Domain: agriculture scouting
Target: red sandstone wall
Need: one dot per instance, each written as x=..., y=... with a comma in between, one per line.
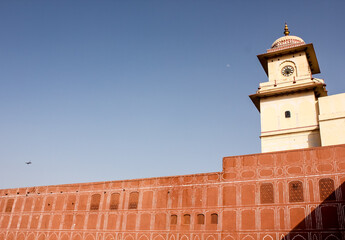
x=297, y=194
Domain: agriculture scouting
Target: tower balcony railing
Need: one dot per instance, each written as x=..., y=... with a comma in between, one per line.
x=289, y=83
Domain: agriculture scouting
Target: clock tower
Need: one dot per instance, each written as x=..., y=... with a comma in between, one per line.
x=288, y=101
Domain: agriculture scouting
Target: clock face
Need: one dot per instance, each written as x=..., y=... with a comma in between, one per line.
x=287, y=70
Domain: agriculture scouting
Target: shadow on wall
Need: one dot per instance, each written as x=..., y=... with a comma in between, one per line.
x=325, y=222
x=314, y=140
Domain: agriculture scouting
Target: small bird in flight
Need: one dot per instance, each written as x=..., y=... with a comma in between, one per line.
x=28, y=163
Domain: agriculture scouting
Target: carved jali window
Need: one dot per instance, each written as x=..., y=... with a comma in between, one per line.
x=173, y=219
x=95, y=200
x=214, y=218
x=266, y=193
x=201, y=219
x=326, y=186
x=186, y=219
x=133, y=200
x=9, y=205
x=114, y=201
x=296, y=191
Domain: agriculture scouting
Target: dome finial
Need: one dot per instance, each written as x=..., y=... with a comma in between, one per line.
x=286, y=32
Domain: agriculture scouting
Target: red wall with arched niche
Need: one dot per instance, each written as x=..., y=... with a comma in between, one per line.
x=297, y=194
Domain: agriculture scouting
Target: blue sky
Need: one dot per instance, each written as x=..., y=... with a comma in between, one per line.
x=111, y=90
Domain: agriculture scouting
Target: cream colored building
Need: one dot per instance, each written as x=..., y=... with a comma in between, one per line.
x=294, y=107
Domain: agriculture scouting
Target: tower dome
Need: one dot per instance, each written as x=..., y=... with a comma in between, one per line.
x=286, y=42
